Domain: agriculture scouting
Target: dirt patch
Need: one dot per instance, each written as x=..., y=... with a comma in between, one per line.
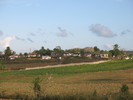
x=65, y=65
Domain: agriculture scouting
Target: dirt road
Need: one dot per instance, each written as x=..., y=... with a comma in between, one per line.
x=64, y=65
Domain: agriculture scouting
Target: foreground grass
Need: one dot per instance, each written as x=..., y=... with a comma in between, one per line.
x=105, y=78
x=107, y=66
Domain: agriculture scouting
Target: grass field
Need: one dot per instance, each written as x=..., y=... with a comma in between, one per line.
x=105, y=78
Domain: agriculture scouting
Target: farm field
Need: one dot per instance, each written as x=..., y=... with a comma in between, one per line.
x=105, y=78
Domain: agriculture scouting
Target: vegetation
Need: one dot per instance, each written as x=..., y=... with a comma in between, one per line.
x=83, y=82
x=116, y=52
x=23, y=63
x=93, y=96
x=107, y=66
x=58, y=53
x=1, y=65
x=37, y=87
x=8, y=53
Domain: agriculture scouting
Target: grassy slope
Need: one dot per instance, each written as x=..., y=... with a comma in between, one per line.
x=105, y=78
x=107, y=66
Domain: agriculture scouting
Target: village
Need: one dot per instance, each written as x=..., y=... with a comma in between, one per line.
x=58, y=53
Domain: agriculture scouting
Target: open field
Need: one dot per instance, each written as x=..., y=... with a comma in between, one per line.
x=105, y=78
x=34, y=62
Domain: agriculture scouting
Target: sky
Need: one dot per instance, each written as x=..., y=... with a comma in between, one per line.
x=27, y=25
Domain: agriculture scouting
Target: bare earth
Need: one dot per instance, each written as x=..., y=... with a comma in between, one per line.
x=64, y=65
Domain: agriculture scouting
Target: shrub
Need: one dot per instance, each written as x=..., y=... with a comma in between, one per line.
x=124, y=89
x=37, y=87
x=124, y=93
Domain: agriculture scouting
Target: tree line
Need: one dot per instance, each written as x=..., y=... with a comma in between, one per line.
x=115, y=52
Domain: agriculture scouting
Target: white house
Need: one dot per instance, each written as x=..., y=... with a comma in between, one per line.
x=67, y=54
x=89, y=55
x=33, y=54
x=14, y=56
x=77, y=55
x=46, y=57
x=127, y=58
x=105, y=55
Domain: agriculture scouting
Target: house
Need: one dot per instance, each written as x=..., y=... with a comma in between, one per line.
x=14, y=57
x=89, y=55
x=104, y=55
x=46, y=57
x=127, y=58
x=56, y=55
x=32, y=55
x=77, y=55
x=97, y=55
x=67, y=54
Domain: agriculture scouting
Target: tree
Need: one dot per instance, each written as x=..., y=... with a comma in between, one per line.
x=21, y=55
x=116, y=47
x=58, y=47
x=8, y=52
x=26, y=54
x=58, y=51
x=96, y=49
x=37, y=87
x=112, y=53
x=48, y=52
x=42, y=51
x=116, y=52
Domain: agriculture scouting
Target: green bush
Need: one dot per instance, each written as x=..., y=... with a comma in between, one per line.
x=124, y=89
x=124, y=93
x=37, y=87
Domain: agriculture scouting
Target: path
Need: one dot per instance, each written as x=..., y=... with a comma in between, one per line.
x=64, y=65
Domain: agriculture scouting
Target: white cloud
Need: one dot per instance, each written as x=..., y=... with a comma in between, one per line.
x=108, y=46
x=62, y=33
x=101, y=30
x=6, y=42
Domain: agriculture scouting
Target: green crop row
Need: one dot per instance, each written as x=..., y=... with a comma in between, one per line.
x=107, y=66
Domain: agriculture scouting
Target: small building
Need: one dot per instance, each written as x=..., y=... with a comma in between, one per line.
x=105, y=55
x=67, y=54
x=46, y=57
x=32, y=55
x=14, y=57
x=56, y=55
x=89, y=55
x=77, y=55
x=127, y=58
x=97, y=55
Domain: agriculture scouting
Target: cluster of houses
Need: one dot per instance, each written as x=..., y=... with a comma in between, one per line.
x=57, y=55
x=88, y=52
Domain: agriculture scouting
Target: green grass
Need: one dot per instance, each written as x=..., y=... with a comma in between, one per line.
x=107, y=66
x=105, y=78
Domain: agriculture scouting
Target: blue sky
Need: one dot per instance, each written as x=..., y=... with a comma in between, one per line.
x=29, y=24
